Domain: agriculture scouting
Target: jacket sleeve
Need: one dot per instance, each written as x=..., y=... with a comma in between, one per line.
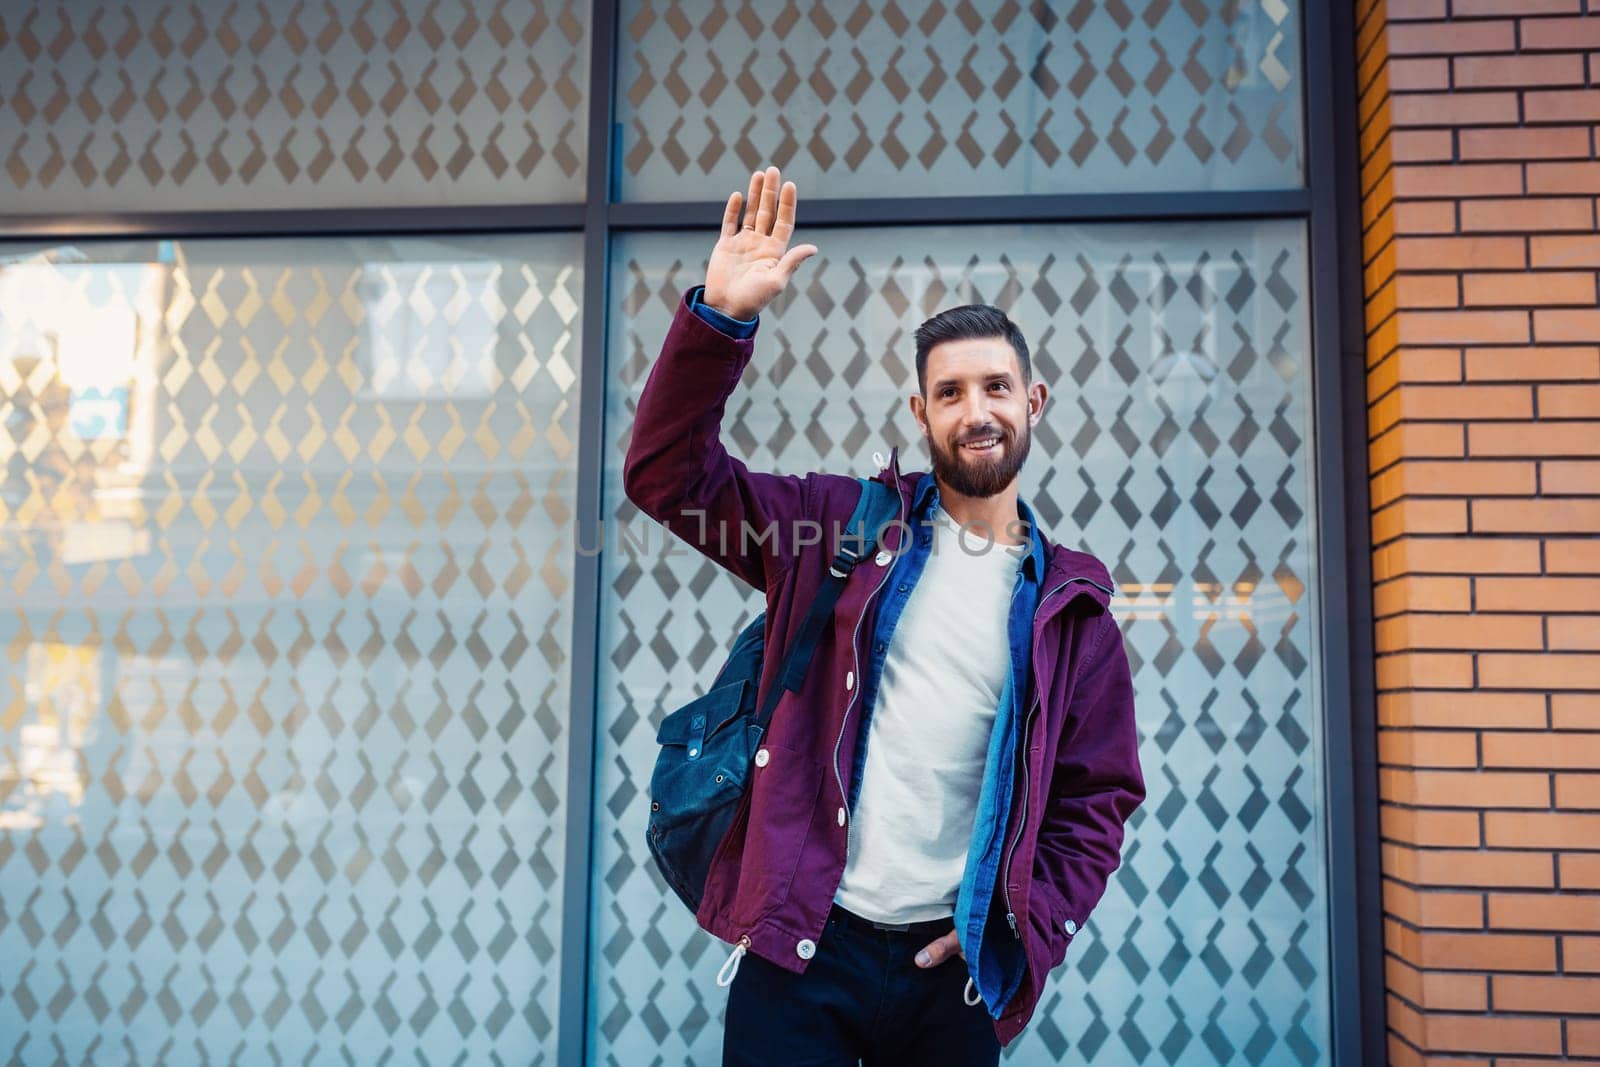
x=1094, y=788
x=677, y=471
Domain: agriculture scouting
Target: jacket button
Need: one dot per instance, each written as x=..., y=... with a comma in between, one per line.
x=882, y=558
x=1071, y=927
x=761, y=757
x=806, y=948
x=841, y=816
x=849, y=679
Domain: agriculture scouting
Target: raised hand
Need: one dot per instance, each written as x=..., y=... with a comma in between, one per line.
x=752, y=263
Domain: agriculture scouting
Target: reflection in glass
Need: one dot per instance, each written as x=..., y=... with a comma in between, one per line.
x=1176, y=445
x=285, y=531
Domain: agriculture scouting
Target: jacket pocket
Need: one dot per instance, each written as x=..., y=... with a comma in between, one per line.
x=783, y=808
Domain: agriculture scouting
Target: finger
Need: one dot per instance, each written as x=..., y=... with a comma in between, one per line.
x=769, y=202
x=753, y=199
x=793, y=258
x=785, y=224
x=938, y=951
x=730, y=216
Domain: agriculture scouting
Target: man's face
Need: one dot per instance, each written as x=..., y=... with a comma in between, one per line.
x=976, y=414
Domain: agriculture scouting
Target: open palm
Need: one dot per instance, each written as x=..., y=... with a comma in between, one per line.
x=752, y=263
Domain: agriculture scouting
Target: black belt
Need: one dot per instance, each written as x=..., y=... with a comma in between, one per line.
x=930, y=928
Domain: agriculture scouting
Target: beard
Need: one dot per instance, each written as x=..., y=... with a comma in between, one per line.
x=981, y=476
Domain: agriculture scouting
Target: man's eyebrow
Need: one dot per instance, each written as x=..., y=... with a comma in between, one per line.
x=997, y=376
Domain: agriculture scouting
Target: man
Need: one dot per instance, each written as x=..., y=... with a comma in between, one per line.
x=933, y=815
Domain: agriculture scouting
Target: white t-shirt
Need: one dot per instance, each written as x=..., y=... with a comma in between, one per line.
x=943, y=675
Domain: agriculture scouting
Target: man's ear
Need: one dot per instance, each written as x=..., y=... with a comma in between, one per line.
x=1038, y=395
x=918, y=411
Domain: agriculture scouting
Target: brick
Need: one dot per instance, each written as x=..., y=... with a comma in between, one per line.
x=1537, y=594
x=1436, y=990
x=1470, y=868
x=1526, y=142
x=1518, y=992
x=1560, y=34
x=1544, y=363
x=1401, y=10
x=1455, y=478
x=1575, y=288
x=1425, y=216
x=1422, y=826
x=1422, y=594
x=1583, y=1037
x=1573, y=557
x=1534, y=439
x=1465, y=253
x=1421, y=146
x=1556, y=515
x=1557, y=325
x=1573, y=633
x=1481, y=710
x=1467, y=633
x=1473, y=789
x=1580, y=954
x=1416, y=440
x=1426, y=180
x=1527, y=216
x=1486, y=952
x=1540, y=829
x=1478, y=8
x=1570, y=402
x=1554, y=179
x=1542, y=749
x=1545, y=911
x=1492, y=1033
x=1431, y=291
x=1418, y=516
x=1418, y=75
x=1575, y=792
x=1561, y=105
x=1464, y=327
x=1453, y=109
x=1490, y=72
x=1561, y=250
x=1577, y=476
x=1458, y=555
x=1450, y=38
x=1521, y=670
x=1575, y=711
x=1420, y=670
x=1428, y=748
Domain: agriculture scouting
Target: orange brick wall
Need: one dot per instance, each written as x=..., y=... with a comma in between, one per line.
x=1480, y=182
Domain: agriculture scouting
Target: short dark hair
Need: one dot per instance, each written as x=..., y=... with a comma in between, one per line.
x=962, y=323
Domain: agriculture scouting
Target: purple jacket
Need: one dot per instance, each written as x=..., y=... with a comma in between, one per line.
x=775, y=873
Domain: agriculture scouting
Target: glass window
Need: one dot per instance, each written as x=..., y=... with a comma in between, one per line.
x=188, y=107
x=1177, y=446
x=286, y=530
x=855, y=99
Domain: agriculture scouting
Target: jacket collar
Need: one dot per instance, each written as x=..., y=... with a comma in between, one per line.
x=1056, y=563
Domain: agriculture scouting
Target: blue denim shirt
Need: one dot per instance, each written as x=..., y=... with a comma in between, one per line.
x=994, y=953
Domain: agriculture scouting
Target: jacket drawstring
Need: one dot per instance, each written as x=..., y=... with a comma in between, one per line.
x=730, y=966
x=970, y=995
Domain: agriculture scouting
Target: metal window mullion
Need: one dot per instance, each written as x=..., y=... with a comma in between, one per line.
x=577, y=881
x=1350, y=795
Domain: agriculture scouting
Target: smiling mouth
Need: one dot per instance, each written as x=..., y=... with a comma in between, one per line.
x=986, y=446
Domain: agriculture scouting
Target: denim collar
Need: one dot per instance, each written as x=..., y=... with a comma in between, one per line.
x=926, y=496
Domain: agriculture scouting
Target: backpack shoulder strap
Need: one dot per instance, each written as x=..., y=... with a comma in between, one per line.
x=877, y=506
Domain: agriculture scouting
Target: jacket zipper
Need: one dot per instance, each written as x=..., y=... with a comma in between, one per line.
x=1022, y=821
x=855, y=652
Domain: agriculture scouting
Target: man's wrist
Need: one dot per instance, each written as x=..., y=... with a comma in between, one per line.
x=740, y=315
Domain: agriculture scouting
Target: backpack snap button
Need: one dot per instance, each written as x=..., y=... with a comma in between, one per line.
x=762, y=757
x=1070, y=926
x=806, y=948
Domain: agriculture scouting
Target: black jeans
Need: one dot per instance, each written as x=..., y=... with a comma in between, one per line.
x=862, y=1000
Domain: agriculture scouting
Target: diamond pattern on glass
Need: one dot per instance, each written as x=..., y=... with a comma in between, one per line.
x=287, y=536
x=885, y=98
x=1176, y=446
x=179, y=107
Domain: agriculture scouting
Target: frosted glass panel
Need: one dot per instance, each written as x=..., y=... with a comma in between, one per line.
x=1177, y=447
